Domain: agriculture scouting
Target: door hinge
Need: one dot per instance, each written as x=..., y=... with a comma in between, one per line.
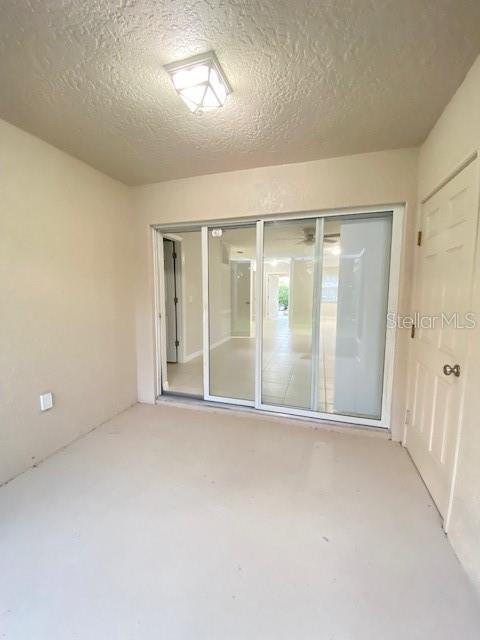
x=175, y=300
x=419, y=239
x=407, y=416
x=412, y=331
x=177, y=343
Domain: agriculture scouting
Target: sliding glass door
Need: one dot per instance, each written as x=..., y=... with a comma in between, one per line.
x=323, y=340
x=231, y=259
x=353, y=318
x=294, y=314
x=289, y=267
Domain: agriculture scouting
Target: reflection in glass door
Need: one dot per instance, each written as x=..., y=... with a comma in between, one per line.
x=294, y=315
x=353, y=316
x=289, y=249
x=231, y=312
x=324, y=331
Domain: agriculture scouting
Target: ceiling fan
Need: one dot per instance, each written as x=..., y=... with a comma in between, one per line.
x=309, y=236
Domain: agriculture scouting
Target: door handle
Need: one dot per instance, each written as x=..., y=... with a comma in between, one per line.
x=448, y=370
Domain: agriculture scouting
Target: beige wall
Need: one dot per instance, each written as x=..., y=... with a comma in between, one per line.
x=454, y=138
x=66, y=318
x=360, y=180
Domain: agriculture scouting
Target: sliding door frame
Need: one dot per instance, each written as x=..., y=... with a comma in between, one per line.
x=316, y=310
x=397, y=212
x=160, y=330
x=206, y=320
x=259, y=314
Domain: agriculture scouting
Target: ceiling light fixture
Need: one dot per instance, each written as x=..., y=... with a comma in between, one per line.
x=200, y=82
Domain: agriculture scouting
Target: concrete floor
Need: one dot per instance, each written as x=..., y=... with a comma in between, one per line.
x=181, y=523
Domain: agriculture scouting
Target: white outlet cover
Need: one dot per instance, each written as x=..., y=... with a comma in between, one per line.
x=46, y=401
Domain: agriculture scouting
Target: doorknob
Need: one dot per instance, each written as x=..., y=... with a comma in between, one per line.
x=448, y=370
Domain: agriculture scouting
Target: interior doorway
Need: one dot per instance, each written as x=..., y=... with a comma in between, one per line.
x=272, y=295
x=180, y=262
x=277, y=289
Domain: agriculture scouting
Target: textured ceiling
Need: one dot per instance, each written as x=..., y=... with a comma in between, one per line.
x=311, y=79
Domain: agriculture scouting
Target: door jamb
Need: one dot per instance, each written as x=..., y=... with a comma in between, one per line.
x=259, y=314
x=316, y=310
x=160, y=381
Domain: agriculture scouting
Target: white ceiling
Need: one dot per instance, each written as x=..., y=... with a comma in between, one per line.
x=311, y=78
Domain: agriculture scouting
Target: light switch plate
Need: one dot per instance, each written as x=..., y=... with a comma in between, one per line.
x=46, y=401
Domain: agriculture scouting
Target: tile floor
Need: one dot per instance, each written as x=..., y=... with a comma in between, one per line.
x=186, y=524
x=286, y=367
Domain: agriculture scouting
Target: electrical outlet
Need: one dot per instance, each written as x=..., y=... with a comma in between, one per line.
x=46, y=401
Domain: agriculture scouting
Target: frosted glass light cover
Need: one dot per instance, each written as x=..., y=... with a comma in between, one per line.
x=210, y=100
x=193, y=106
x=194, y=94
x=200, y=83
x=190, y=77
x=218, y=87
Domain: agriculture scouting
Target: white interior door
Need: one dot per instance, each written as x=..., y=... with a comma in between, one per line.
x=444, y=279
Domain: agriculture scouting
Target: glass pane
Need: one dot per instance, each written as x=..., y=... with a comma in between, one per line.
x=288, y=264
x=353, y=315
x=182, y=254
x=231, y=298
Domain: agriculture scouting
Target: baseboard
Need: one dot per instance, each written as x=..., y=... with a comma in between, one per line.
x=192, y=356
x=195, y=354
x=220, y=342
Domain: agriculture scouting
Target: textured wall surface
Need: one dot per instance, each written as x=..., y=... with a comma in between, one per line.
x=455, y=136
x=67, y=318
x=311, y=79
